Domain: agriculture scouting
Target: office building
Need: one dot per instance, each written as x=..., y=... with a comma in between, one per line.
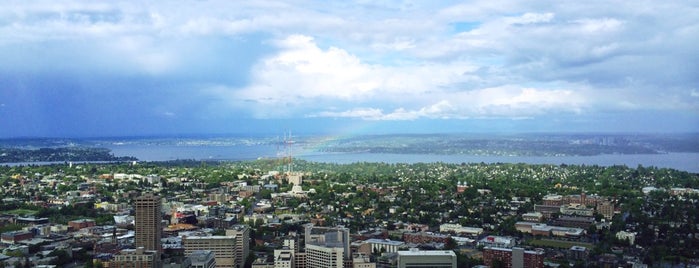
x=147, y=222
x=223, y=247
x=242, y=237
x=324, y=256
x=284, y=258
x=333, y=237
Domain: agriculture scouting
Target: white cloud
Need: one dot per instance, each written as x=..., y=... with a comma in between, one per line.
x=380, y=61
x=530, y=18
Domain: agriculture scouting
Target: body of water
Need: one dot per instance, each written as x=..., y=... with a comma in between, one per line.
x=680, y=161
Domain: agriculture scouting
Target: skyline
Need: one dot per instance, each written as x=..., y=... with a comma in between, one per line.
x=87, y=69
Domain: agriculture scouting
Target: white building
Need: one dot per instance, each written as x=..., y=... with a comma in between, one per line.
x=458, y=229
x=284, y=258
x=384, y=245
x=623, y=235
x=318, y=256
x=497, y=241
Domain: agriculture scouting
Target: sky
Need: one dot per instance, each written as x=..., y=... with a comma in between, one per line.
x=138, y=68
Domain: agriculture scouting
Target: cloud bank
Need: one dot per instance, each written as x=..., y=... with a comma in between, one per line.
x=202, y=63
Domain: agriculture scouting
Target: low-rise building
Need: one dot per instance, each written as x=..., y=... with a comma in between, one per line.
x=16, y=236
x=372, y=246
x=628, y=236
x=133, y=258
x=458, y=229
x=497, y=241
x=576, y=209
x=80, y=224
x=427, y=258
x=533, y=216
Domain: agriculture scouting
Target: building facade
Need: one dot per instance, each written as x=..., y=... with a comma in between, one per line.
x=242, y=235
x=223, y=247
x=147, y=222
x=202, y=259
x=136, y=258
x=321, y=256
x=513, y=258
x=426, y=258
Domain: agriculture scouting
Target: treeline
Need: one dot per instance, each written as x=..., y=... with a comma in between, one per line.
x=14, y=155
x=521, y=147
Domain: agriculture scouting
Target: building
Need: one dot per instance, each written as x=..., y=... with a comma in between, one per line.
x=497, y=241
x=147, y=224
x=80, y=224
x=31, y=220
x=284, y=258
x=578, y=253
x=577, y=209
x=514, y=257
x=202, y=259
x=324, y=256
x=533, y=216
x=574, y=221
x=300, y=260
x=424, y=238
x=542, y=229
x=223, y=248
x=373, y=245
x=332, y=237
x=427, y=258
x=295, y=178
x=16, y=236
x=360, y=260
x=242, y=234
x=461, y=187
x=547, y=210
x=606, y=208
x=136, y=258
x=553, y=200
x=628, y=236
x=458, y=229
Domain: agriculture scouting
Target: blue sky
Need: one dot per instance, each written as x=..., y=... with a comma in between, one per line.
x=102, y=68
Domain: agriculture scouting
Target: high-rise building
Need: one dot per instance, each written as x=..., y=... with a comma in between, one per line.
x=328, y=236
x=147, y=222
x=427, y=258
x=242, y=238
x=327, y=246
x=223, y=247
x=322, y=256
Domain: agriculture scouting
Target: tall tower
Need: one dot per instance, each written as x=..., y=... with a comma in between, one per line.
x=148, y=217
x=288, y=147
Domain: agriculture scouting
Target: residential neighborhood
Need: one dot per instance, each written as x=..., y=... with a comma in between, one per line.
x=256, y=214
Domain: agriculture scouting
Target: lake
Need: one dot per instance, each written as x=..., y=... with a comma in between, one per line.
x=680, y=161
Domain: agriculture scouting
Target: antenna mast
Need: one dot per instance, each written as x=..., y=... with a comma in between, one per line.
x=288, y=144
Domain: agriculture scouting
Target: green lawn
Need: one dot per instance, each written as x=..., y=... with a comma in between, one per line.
x=558, y=243
x=21, y=211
